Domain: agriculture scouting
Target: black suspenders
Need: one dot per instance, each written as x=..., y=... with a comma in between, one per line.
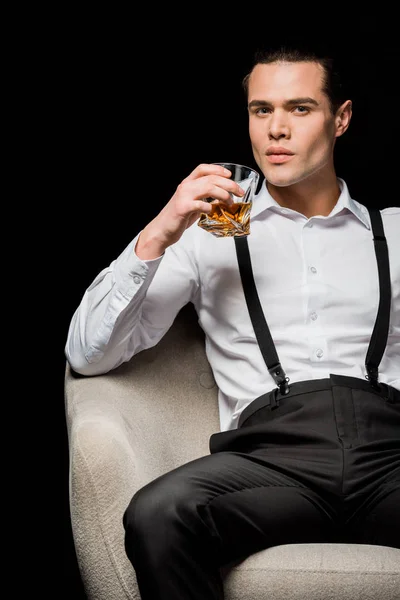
x=379, y=336
x=260, y=325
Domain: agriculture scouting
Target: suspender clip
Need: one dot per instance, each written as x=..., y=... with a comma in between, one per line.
x=372, y=376
x=279, y=376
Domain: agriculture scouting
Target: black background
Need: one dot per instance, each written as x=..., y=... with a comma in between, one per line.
x=144, y=99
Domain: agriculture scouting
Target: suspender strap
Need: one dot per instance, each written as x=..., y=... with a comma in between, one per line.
x=260, y=325
x=379, y=336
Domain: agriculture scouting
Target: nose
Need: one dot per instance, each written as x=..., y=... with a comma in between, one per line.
x=278, y=126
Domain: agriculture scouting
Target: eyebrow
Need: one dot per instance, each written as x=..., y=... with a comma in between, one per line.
x=287, y=103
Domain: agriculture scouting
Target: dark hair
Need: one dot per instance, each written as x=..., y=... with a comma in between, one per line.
x=332, y=84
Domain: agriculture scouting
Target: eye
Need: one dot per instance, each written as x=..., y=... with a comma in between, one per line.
x=302, y=109
x=263, y=111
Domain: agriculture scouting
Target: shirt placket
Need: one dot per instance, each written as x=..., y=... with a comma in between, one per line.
x=317, y=346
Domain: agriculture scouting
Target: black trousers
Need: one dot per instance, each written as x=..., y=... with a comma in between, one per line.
x=321, y=464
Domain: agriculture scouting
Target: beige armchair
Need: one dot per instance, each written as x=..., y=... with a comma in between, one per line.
x=150, y=415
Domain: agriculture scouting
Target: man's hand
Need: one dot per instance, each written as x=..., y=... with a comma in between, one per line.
x=185, y=207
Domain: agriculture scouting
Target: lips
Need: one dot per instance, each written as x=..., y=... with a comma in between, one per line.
x=278, y=154
x=278, y=150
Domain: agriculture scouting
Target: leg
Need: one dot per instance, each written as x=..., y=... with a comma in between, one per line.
x=182, y=527
x=379, y=522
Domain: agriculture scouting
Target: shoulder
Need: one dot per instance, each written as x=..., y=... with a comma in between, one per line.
x=389, y=214
x=391, y=224
x=391, y=211
x=391, y=218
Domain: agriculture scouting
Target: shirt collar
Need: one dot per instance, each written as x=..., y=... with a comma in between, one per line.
x=264, y=201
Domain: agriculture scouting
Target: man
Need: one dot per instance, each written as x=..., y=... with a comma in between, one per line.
x=309, y=447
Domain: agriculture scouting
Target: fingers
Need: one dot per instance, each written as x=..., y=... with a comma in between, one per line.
x=213, y=183
x=209, y=169
x=203, y=206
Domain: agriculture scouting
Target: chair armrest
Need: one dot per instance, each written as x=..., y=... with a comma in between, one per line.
x=102, y=480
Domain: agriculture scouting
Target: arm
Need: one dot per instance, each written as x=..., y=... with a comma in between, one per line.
x=131, y=304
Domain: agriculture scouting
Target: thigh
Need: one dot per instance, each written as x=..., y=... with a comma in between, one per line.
x=243, y=502
x=378, y=521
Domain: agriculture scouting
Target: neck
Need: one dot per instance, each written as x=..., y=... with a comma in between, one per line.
x=310, y=198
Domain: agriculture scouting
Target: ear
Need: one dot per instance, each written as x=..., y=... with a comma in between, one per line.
x=343, y=117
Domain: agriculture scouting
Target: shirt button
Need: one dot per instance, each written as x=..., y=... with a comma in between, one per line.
x=319, y=353
x=137, y=279
x=313, y=269
x=314, y=316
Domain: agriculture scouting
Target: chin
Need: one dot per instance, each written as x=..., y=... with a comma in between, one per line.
x=281, y=180
x=284, y=177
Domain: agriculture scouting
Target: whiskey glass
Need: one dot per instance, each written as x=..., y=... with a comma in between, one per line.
x=232, y=220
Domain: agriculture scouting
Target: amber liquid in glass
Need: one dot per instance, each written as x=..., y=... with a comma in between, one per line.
x=227, y=221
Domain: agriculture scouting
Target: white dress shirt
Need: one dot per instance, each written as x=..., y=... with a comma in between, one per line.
x=317, y=281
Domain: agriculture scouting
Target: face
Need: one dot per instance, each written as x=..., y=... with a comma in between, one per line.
x=292, y=129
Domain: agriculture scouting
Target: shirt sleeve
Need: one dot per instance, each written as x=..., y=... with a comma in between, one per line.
x=129, y=307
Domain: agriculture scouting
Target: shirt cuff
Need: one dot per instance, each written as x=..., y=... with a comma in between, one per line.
x=132, y=272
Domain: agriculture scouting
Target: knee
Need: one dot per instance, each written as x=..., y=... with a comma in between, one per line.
x=156, y=509
x=144, y=508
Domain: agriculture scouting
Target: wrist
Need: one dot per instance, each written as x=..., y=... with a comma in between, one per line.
x=151, y=244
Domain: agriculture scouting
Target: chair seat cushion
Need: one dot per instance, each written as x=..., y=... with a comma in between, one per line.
x=316, y=572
